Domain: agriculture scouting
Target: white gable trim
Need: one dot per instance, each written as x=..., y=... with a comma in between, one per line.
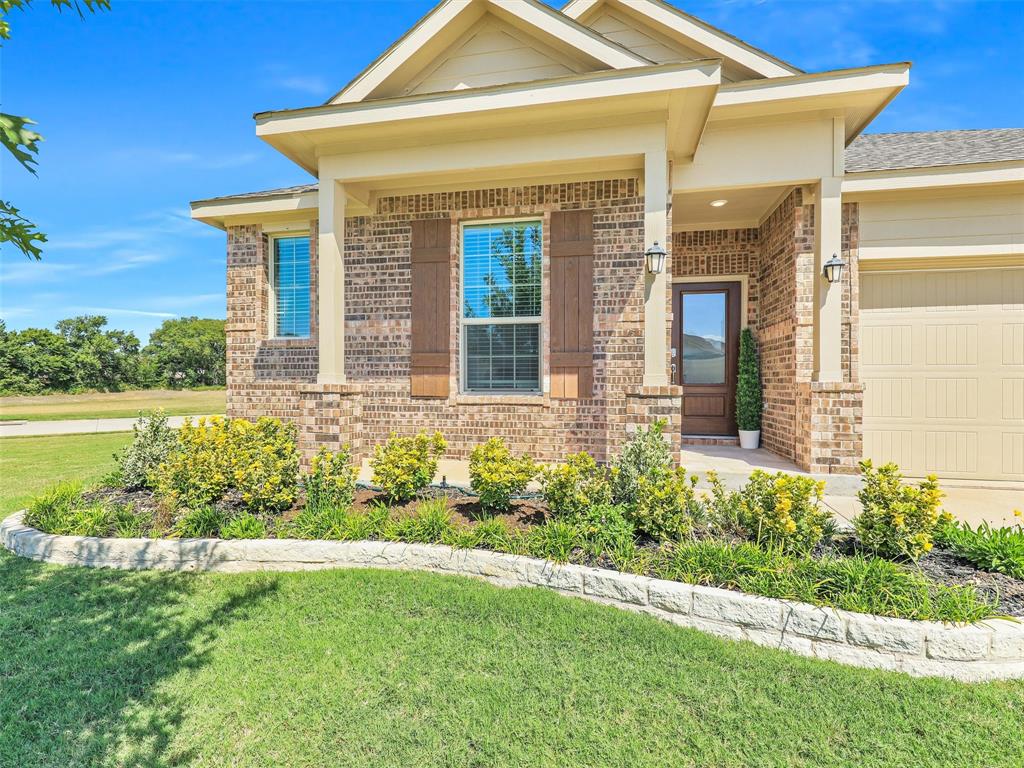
x=692, y=28
x=534, y=14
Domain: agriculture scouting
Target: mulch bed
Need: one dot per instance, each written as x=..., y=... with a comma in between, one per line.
x=939, y=565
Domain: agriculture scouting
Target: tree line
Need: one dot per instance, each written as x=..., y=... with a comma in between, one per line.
x=83, y=355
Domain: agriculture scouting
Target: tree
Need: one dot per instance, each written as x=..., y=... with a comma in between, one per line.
x=104, y=360
x=35, y=360
x=188, y=352
x=22, y=142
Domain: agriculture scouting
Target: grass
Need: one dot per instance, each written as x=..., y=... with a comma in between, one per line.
x=112, y=405
x=355, y=668
x=29, y=465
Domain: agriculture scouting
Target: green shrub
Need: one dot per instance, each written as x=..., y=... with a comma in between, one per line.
x=244, y=526
x=861, y=584
x=200, y=522
x=992, y=549
x=573, y=487
x=494, y=534
x=216, y=455
x=403, y=466
x=50, y=511
x=784, y=511
x=606, y=530
x=667, y=506
x=431, y=523
x=646, y=454
x=555, y=540
x=151, y=444
x=331, y=481
x=339, y=523
x=725, y=508
x=748, y=384
x=496, y=475
x=897, y=520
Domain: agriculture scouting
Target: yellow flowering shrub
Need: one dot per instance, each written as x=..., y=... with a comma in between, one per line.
x=331, y=482
x=405, y=465
x=897, y=520
x=667, y=507
x=574, y=486
x=784, y=511
x=495, y=475
x=216, y=455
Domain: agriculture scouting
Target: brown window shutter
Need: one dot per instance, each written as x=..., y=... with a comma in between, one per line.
x=572, y=304
x=431, y=306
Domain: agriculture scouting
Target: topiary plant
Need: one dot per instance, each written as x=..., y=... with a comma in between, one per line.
x=748, y=385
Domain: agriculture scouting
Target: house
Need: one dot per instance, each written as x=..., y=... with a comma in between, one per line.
x=480, y=254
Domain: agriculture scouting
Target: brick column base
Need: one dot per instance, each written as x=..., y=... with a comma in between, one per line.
x=829, y=437
x=646, y=405
x=330, y=417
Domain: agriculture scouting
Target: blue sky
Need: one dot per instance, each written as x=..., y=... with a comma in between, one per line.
x=150, y=105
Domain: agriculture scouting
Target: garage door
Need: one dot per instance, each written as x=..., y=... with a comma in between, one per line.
x=942, y=360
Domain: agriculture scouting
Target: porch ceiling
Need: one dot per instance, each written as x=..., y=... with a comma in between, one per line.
x=743, y=208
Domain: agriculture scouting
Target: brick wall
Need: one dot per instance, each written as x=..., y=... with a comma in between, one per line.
x=266, y=376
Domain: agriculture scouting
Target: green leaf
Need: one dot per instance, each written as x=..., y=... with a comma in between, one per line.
x=19, y=231
x=14, y=136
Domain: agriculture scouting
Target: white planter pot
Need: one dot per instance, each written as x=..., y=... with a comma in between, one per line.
x=750, y=438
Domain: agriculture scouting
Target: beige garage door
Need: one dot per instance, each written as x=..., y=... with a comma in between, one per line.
x=942, y=360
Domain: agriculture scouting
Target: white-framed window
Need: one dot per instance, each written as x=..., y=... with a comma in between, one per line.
x=290, y=286
x=500, y=313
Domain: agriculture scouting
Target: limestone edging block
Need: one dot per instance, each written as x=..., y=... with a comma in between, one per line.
x=990, y=650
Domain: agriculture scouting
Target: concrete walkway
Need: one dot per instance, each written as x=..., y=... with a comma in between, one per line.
x=76, y=426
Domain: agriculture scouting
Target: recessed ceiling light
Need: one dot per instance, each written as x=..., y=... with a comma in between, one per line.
x=718, y=203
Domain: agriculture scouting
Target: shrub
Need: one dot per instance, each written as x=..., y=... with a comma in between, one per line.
x=331, y=481
x=405, y=465
x=244, y=526
x=200, y=522
x=61, y=510
x=494, y=534
x=667, y=506
x=646, y=454
x=50, y=511
x=748, y=384
x=496, y=475
x=555, y=540
x=725, y=508
x=605, y=530
x=897, y=520
x=992, y=549
x=573, y=487
x=151, y=444
x=215, y=455
x=784, y=511
x=431, y=523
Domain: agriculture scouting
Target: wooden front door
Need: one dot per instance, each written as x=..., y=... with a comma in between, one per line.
x=705, y=352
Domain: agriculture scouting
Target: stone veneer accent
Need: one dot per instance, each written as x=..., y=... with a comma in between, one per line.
x=271, y=377
x=986, y=651
x=817, y=425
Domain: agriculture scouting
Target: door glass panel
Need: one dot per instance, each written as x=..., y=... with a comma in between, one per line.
x=704, y=338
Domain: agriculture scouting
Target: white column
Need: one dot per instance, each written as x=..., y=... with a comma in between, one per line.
x=656, y=171
x=828, y=298
x=331, y=282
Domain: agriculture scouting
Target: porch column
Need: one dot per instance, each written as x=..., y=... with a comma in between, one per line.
x=331, y=283
x=656, y=331
x=828, y=298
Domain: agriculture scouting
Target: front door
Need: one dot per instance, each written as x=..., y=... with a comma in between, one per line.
x=705, y=351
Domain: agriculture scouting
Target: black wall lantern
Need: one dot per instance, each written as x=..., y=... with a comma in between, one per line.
x=834, y=269
x=655, y=259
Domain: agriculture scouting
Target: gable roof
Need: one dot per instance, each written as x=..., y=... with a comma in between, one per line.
x=927, y=149
x=451, y=18
x=707, y=39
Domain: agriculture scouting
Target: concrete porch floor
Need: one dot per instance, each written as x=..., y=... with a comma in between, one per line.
x=734, y=465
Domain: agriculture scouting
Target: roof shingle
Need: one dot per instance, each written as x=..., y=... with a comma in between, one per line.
x=926, y=149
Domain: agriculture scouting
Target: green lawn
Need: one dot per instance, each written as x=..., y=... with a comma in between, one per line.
x=30, y=464
x=359, y=668
x=112, y=405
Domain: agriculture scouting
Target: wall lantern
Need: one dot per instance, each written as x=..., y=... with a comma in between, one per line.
x=655, y=259
x=834, y=269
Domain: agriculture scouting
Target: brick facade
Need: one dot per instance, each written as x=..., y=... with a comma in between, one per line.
x=815, y=424
x=276, y=378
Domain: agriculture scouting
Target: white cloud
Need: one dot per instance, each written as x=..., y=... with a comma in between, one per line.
x=121, y=311
x=310, y=84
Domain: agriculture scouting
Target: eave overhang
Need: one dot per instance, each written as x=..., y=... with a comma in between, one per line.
x=895, y=181
x=218, y=212
x=682, y=92
x=859, y=94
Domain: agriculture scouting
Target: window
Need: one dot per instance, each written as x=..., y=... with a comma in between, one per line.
x=290, y=287
x=501, y=290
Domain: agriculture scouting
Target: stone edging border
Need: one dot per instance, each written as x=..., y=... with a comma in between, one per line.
x=986, y=651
